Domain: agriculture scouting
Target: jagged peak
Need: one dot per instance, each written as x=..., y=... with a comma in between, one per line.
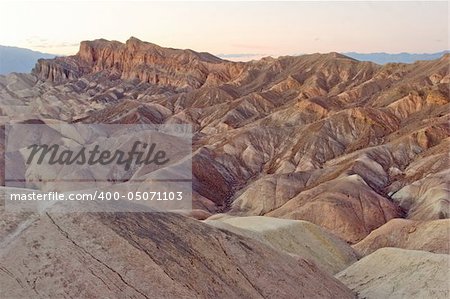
x=134, y=39
x=137, y=43
x=339, y=55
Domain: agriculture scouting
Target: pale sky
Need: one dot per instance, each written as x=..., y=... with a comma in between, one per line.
x=260, y=28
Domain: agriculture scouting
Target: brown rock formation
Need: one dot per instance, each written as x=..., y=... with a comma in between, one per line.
x=148, y=255
x=347, y=145
x=146, y=62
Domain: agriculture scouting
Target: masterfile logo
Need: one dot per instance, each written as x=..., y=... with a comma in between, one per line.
x=147, y=155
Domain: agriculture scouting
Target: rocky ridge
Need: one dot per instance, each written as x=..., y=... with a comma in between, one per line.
x=292, y=137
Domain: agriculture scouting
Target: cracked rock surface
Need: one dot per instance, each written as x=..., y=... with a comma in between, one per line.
x=151, y=255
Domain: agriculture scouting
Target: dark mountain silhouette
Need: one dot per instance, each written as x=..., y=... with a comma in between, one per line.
x=383, y=58
x=19, y=60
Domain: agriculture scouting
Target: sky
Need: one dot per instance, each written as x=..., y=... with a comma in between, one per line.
x=232, y=29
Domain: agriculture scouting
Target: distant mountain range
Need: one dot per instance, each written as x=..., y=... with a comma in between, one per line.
x=383, y=58
x=20, y=60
